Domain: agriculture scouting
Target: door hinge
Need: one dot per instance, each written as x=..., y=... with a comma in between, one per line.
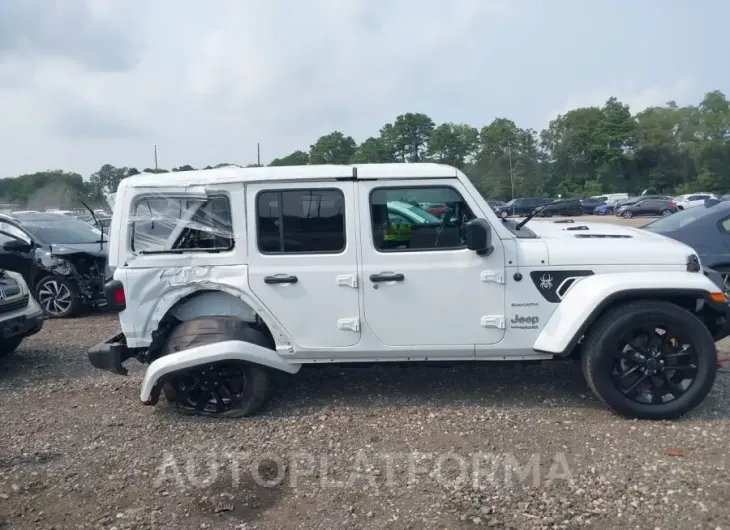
x=349, y=280
x=493, y=321
x=492, y=276
x=353, y=324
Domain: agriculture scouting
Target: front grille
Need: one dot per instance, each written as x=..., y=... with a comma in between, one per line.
x=14, y=305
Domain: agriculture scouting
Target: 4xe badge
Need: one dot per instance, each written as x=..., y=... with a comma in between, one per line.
x=520, y=322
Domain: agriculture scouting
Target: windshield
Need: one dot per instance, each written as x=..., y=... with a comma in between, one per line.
x=510, y=203
x=679, y=219
x=63, y=232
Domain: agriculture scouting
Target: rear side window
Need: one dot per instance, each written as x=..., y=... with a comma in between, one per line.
x=301, y=221
x=162, y=224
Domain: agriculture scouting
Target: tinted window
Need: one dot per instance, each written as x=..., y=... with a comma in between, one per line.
x=310, y=221
x=397, y=227
x=164, y=224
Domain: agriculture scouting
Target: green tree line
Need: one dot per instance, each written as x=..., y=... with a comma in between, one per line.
x=586, y=151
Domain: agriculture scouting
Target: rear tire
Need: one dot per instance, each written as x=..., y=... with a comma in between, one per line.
x=246, y=384
x=666, y=212
x=8, y=346
x=685, y=338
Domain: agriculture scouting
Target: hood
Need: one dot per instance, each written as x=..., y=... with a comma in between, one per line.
x=607, y=244
x=93, y=249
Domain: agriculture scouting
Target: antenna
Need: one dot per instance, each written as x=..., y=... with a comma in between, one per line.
x=155, y=157
x=258, y=154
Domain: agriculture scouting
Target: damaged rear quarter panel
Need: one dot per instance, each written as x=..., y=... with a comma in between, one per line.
x=159, y=289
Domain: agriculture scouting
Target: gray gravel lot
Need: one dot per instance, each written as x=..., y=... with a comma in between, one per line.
x=375, y=447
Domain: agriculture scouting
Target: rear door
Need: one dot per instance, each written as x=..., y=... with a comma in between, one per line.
x=303, y=256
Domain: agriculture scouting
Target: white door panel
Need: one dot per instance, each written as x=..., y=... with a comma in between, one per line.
x=449, y=297
x=314, y=295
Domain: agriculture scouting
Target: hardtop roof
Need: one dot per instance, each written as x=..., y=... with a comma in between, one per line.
x=289, y=173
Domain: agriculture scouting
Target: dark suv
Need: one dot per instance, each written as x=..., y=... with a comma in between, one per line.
x=521, y=206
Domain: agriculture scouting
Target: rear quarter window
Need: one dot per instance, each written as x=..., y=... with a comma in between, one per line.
x=162, y=224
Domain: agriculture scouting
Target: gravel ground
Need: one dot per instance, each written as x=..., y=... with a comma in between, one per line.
x=376, y=447
x=348, y=448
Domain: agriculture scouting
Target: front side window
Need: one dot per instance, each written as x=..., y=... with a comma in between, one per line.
x=167, y=224
x=301, y=221
x=399, y=224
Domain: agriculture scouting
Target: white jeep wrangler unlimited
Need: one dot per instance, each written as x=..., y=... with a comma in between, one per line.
x=225, y=275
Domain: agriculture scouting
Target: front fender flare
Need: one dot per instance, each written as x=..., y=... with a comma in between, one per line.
x=229, y=350
x=589, y=297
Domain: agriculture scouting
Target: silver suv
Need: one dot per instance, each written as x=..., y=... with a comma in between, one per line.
x=20, y=315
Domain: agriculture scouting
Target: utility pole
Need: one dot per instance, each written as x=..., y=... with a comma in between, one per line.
x=511, y=175
x=155, y=157
x=258, y=154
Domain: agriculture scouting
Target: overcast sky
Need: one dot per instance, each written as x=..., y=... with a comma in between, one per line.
x=84, y=83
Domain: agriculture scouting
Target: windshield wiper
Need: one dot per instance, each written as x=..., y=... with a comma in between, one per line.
x=532, y=214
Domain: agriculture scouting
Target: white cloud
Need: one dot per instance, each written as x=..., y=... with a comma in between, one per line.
x=87, y=82
x=632, y=94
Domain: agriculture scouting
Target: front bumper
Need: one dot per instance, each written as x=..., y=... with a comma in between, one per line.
x=716, y=316
x=22, y=325
x=110, y=354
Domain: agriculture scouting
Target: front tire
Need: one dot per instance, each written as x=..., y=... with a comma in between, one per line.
x=58, y=297
x=9, y=345
x=504, y=214
x=230, y=389
x=650, y=360
x=628, y=214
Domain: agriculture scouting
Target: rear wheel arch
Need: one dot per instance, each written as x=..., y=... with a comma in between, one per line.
x=253, y=379
x=196, y=304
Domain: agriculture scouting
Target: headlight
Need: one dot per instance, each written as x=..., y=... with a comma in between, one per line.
x=61, y=267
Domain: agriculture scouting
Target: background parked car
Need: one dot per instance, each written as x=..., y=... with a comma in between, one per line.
x=62, y=260
x=691, y=200
x=494, y=204
x=589, y=205
x=564, y=207
x=644, y=207
x=521, y=206
x=706, y=229
x=20, y=316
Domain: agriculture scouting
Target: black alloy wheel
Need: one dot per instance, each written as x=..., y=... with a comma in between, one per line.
x=213, y=389
x=654, y=366
x=650, y=359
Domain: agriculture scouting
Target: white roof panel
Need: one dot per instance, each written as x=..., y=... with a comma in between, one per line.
x=288, y=173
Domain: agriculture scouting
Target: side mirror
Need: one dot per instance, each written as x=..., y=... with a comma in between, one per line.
x=478, y=234
x=17, y=245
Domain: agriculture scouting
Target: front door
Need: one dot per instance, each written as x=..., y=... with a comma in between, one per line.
x=303, y=260
x=421, y=285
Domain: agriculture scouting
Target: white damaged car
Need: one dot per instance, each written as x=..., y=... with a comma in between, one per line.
x=223, y=276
